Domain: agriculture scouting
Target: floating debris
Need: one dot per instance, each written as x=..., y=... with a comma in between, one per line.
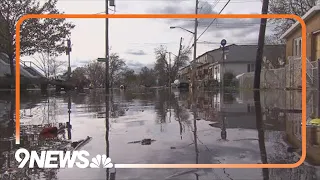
x=143, y=142
x=182, y=173
x=213, y=124
x=313, y=122
x=78, y=144
x=172, y=147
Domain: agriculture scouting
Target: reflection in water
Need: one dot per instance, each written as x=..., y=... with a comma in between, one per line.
x=195, y=117
x=107, y=131
x=69, y=126
x=259, y=131
x=259, y=123
x=110, y=175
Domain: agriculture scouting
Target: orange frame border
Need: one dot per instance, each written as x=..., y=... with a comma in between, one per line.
x=184, y=16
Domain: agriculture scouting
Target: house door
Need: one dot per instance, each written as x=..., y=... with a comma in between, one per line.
x=317, y=46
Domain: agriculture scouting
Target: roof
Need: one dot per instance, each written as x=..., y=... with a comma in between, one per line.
x=305, y=17
x=219, y=48
x=247, y=53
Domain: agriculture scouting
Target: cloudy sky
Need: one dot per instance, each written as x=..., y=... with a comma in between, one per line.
x=135, y=39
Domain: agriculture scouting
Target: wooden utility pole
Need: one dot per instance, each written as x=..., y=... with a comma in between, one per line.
x=107, y=49
x=259, y=55
x=193, y=65
x=170, y=71
x=256, y=96
x=69, y=113
x=68, y=53
x=180, y=48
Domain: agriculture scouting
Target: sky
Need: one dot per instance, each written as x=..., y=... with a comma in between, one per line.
x=135, y=39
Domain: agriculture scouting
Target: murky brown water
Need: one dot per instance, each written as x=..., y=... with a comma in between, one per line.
x=201, y=128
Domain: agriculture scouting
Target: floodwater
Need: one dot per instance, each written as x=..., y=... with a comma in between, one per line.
x=161, y=127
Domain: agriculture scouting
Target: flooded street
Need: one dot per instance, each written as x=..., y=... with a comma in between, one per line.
x=162, y=127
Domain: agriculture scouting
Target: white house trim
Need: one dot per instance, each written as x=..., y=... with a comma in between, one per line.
x=316, y=32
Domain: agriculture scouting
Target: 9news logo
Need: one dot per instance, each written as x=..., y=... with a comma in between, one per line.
x=61, y=159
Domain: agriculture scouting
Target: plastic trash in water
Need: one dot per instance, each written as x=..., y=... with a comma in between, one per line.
x=313, y=122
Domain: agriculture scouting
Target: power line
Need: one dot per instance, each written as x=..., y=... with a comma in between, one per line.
x=190, y=42
x=214, y=19
x=239, y=1
x=176, y=1
x=211, y=22
x=234, y=1
x=244, y=42
x=215, y=3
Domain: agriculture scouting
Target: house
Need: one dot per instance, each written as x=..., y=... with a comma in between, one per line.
x=238, y=59
x=204, y=63
x=294, y=45
x=184, y=73
x=293, y=36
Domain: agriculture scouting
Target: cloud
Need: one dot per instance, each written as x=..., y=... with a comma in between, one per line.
x=136, y=66
x=136, y=52
x=218, y=27
x=182, y=8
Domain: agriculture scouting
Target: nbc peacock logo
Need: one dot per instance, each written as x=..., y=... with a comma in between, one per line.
x=101, y=160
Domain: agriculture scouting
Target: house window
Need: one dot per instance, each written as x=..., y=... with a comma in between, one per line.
x=297, y=47
x=317, y=46
x=250, y=67
x=253, y=67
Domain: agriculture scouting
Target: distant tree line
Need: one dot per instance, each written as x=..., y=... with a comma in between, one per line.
x=120, y=74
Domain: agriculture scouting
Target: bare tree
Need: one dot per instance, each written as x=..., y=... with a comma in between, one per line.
x=161, y=65
x=162, y=68
x=50, y=66
x=79, y=77
x=128, y=77
x=55, y=67
x=297, y=7
x=273, y=40
x=42, y=61
x=96, y=73
x=147, y=76
x=180, y=62
x=116, y=65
